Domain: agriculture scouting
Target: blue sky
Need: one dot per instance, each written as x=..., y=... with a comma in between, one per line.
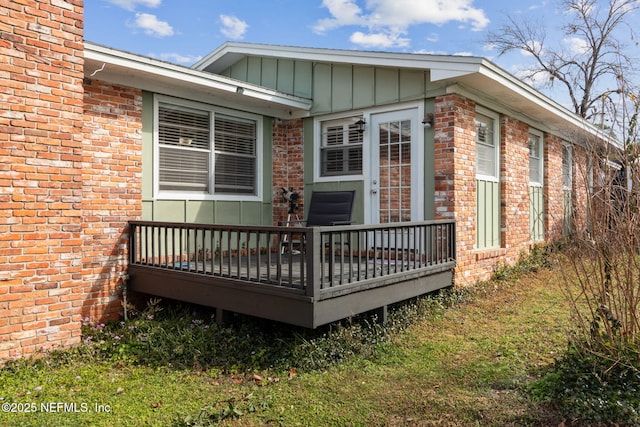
x=183, y=31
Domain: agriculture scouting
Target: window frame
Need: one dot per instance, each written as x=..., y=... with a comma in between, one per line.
x=540, y=159
x=493, y=179
x=212, y=110
x=495, y=117
x=568, y=149
x=319, y=125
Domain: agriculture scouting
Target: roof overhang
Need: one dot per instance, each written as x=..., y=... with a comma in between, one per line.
x=464, y=74
x=140, y=72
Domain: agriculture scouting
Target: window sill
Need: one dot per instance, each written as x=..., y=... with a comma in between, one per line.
x=482, y=254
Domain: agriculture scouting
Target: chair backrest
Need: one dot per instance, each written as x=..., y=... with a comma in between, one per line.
x=330, y=207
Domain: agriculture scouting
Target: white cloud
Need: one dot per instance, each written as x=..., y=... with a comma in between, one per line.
x=176, y=58
x=152, y=26
x=404, y=13
x=433, y=37
x=393, y=17
x=378, y=40
x=232, y=27
x=576, y=45
x=132, y=4
x=343, y=12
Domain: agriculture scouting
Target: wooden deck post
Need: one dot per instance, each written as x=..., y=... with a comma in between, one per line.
x=223, y=317
x=313, y=246
x=381, y=314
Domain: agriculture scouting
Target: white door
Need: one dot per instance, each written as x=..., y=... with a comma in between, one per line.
x=396, y=193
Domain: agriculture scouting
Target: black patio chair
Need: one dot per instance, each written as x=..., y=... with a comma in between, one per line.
x=326, y=208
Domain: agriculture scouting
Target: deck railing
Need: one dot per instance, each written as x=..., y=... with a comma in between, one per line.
x=318, y=261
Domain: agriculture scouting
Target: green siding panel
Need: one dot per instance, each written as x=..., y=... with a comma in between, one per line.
x=254, y=70
x=200, y=211
x=147, y=145
x=488, y=214
x=386, y=87
x=322, y=88
x=536, y=213
x=239, y=70
x=333, y=87
x=169, y=210
x=270, y=72
x=363, y=84
x=341, y=88
x=567, y=212
x=429, y=168
x=227, y=212
x=147, y=210
x=285, y=76
x=412, y=84
x=303, y=83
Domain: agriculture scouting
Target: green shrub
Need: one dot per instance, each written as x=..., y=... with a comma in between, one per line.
x=590, y=388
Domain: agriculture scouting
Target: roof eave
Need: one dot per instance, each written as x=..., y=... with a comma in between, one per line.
x=127, y=69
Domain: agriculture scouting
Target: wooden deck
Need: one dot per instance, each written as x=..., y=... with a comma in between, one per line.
x=302, y=276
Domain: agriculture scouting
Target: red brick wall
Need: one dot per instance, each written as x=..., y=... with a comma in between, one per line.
x=455, y=177
x=455, y=186
x=514, y=187
x=112, y=192
x=288, y=165
x=553, y=205
x=41, y=66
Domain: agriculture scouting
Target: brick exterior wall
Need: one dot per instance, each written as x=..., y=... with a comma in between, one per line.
x=288, y=165
x=455, y=179
x=455, y=186
x=514, y=187
x=70, y=179
x=554, y=210
x=41, y=66
x=112, y=192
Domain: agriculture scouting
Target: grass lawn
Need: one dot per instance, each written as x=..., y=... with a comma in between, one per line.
x=466, y=365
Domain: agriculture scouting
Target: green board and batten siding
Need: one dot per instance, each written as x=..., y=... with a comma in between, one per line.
x=333, y=87
x=201, y=211
x=336, y=88
x=536, y=213
x=488, y=214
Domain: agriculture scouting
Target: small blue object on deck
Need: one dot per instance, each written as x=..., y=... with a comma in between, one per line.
x=183, y=265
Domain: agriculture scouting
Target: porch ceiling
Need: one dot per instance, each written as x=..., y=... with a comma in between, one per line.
x=127, y=69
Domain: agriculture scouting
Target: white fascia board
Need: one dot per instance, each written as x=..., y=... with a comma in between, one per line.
x=167, y=71
x=517, y=86
x=231, y=52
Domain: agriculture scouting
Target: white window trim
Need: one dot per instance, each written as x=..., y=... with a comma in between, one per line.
x=317, y=168
x=541, y=159
x=496, y=134
x=188, y=195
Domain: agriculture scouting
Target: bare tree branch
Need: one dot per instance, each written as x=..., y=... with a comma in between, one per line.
x=590, y=63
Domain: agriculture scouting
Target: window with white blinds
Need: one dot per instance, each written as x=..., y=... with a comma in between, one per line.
x=235, y=155
x=535, y=158
x=206, y=152
x=486, y=147
x=567, y=167
x=341, y=149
